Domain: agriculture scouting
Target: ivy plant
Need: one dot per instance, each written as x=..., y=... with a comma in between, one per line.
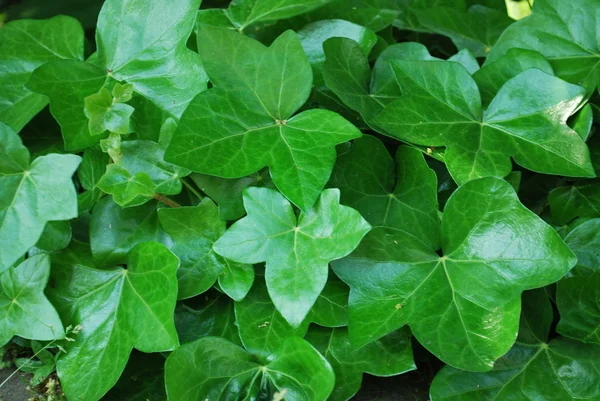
x=278, y=200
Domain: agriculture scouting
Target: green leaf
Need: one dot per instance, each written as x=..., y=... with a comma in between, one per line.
x=106, y=114
x=476, y=29
x=24, y=309
x=114, y=231
x=243, y=13
x=466, y=58
x=245, y=124
x=583, y=121
x=262, y=329
x=24, y=46
x=565, y=33
x=194, y=230
x=126, y=189
x=31, y=195
x=55, y=237
x=580, y=200
x=584, y=240
x=227, y=193
x=494, y=75
x=297, y=250
x=578, y=301
x=214, y=318
x=569, y=369
x=213, y=368
x=463, y=306
x=155, y=61
x=388, y=356
x=91, y=169
x=405, y=201
x=67, y=83
x=137, y=304
x=442, y=107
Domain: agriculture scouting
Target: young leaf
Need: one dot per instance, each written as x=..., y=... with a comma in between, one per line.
x=24, y=309
x=227, y=193
x=569, y=32
x=405, y=201
x=532, y=360
x=578, y=301
x=137, y=304
x=67, y=83
x=155, y=61
x=24, y=46
x=194, y=230
x=107, y=113
x=126, y=189
x=442, y=107
x=114, y=231
x=215, y=369
x=246, y=123
x=581, y=200
x=32, y=194
x=297, y=250
x=388, y=356
x=463, y=306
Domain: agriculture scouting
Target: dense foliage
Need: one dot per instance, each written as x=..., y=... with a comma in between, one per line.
x=266, y=199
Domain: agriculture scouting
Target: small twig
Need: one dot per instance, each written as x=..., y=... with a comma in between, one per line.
x=166, y=201
x=191, y=188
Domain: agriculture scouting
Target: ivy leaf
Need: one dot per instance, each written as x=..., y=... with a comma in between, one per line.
x=138, y=304
x=114, y=231
x=584, y=240
x=297, y=250
x=126, y=189
x=487, y=237
x=494, y=75
x=108, y=112
x=476, y=29
x=194, y=230
x=215, y=317
x=24, y=46
x=67, y=83
x=442, y=107
x=243, y=13
x=565, y=33
x=25, y=310
x=245, y=124
x=580, y=200
x=91, y=169
x=55, y=237
x=405, y=201
x=156, y=62
x=213, y=368
x=531, y=361
x=32, y=194
x=466, y=58
x=578, y=301
x=388, y=356
x=227, y=193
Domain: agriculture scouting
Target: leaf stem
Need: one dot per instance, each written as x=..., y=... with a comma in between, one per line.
x=191, y=188
x=165, y=200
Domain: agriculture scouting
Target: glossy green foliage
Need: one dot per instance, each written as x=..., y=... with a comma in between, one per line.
x=137, y=303
x=566, y=33
x=568, y=368
x=24, y=309
x=24, y=46
x=254, y=118
x=296, y=371
x=266, y=200
x=32, y=193
x=297, y=250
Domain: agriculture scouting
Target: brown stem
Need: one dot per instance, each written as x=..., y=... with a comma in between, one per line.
x=166, y=201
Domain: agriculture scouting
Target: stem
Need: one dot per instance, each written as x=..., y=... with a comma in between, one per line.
x=166, y=201
x=191, y=188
